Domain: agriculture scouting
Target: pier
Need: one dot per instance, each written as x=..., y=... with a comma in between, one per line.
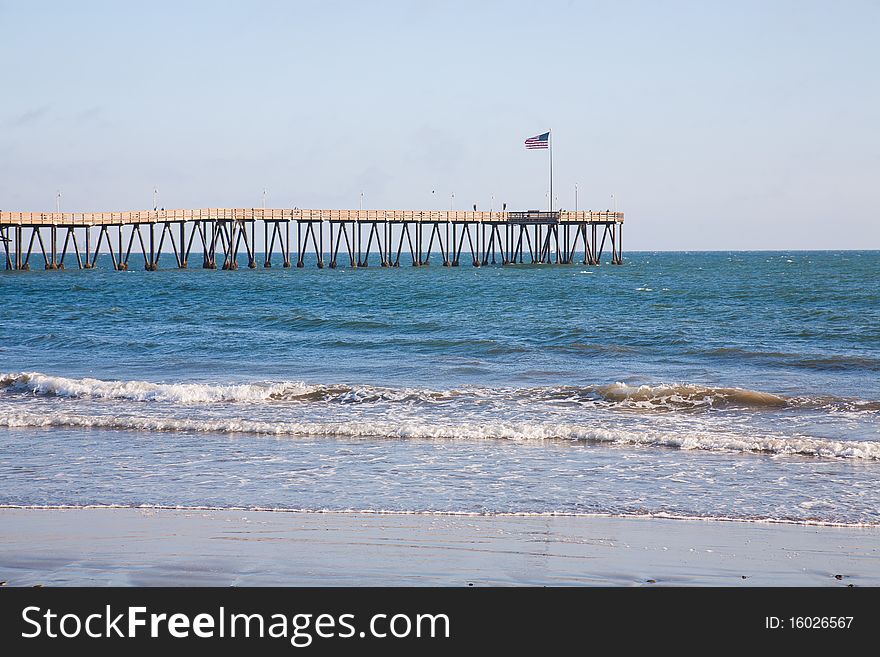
x=351, y=237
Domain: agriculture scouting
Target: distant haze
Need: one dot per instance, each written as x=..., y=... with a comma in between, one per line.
x=716, y=125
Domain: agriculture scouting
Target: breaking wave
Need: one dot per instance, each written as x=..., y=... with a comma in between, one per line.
x=660, y=397
x=203, y=393
x=684, y=396
x=513, y=431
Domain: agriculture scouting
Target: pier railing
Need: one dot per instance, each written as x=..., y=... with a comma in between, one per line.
x=296, y=214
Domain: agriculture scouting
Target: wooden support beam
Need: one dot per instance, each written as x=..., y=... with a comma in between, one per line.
x=182, y=260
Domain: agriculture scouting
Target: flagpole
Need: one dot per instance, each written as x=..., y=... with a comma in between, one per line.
x=550, y=140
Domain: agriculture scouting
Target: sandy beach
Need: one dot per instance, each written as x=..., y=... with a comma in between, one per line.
x=140, y=547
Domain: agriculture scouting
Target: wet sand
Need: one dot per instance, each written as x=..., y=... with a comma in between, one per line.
x=138, y=547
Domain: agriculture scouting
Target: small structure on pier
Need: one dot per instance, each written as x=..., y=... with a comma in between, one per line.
x=223, y=234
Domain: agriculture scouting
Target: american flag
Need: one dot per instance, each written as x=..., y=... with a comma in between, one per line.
x=538, y=141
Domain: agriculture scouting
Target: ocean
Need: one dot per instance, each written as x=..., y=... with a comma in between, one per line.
x=742, y=386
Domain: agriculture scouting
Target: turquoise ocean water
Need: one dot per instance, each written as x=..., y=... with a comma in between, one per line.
x=715, y=385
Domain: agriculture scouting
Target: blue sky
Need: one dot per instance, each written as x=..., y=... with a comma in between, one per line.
x=716, y=125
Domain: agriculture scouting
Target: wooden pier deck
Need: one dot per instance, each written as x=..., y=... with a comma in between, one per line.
x=223, y=234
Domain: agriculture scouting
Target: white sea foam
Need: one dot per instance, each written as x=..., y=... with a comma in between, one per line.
x=433, y=512
x=518, y=432
x=185, y=393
